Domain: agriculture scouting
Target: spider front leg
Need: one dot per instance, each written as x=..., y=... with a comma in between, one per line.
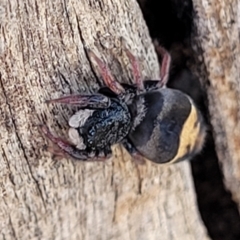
x=164, y=68
x=136, y=69
x=165, y=64
x=72, y=151
x=135, y=66
x=106, y=74
x=88, y=100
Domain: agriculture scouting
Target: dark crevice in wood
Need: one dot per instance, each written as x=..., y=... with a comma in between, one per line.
x=219, y=212
x=171, y=23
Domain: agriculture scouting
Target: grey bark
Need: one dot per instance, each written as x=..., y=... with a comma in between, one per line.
x=217, y=41
x=42, y=56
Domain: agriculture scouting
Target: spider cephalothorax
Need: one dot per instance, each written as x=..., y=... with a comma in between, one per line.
x=149, y=119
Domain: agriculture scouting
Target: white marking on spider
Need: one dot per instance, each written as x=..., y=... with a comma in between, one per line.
x=76, y=139
x=80, y=117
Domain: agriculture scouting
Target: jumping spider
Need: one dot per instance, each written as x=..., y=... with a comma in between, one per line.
x=150, y=120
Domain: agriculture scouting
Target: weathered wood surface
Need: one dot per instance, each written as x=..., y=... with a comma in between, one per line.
x=218, y=35
x=42, y=56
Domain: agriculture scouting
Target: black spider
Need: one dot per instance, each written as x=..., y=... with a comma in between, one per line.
x=149, y=119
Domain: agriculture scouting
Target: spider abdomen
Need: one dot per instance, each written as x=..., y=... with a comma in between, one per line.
x=168, y=128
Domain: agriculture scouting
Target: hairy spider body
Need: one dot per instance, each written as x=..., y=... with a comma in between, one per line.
x=97, y=130
x=167, y=127
x=150, y=120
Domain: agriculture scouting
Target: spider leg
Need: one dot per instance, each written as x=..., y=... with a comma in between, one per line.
x=137, y=156
x=136, y=69
x=106, y=74
x=165, y=65
x=71, y=150
x=88, y=100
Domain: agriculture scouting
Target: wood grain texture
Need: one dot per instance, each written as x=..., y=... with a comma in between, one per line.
x=218, y=32
x=42, y=56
